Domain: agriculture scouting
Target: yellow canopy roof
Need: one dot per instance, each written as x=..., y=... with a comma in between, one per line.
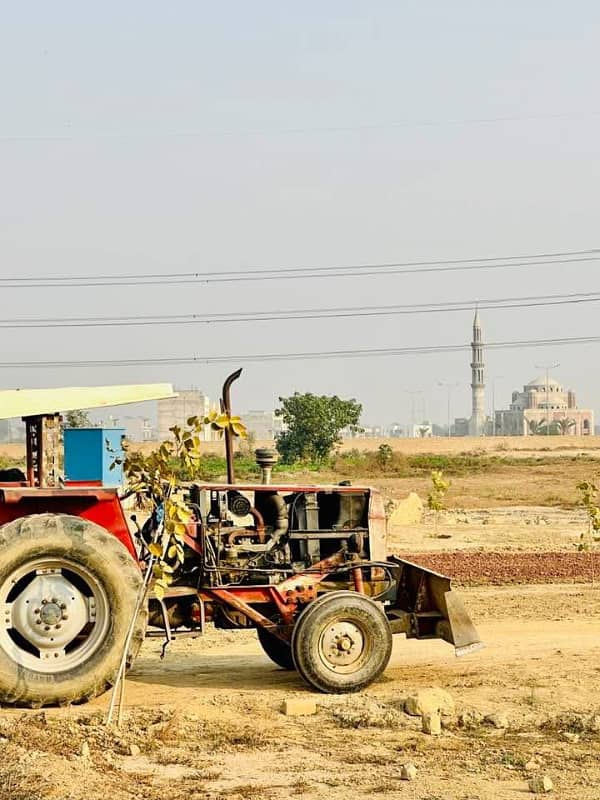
x=33, y=402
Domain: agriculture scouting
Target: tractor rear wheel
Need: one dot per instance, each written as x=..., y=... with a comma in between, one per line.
x=68, y=592
x=342, y=642
x=278, y=651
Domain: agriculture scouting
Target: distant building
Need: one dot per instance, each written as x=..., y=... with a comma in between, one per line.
x=139, y=429
x=373, y=431
x=544, y=406
x=477, y=423
x=12, y=431
x=460, y=427
x=177, y=410
x=396, y=431
x=4, y=431
x=263, y=424
x=422, y=430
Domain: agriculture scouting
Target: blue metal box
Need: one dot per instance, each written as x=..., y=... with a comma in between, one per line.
x=89, y=453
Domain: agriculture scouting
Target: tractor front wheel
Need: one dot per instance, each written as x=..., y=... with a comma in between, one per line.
x=68, y=593
x=341, y=642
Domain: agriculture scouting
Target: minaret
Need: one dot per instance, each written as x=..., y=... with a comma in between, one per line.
x=477, y=421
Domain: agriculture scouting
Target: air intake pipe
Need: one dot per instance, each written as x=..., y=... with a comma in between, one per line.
x=266, y=460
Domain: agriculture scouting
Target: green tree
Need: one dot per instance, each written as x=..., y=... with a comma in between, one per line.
x=537, y=427
x=384, y=456
x=77, y=419
x=313, y=425
x=566, y=425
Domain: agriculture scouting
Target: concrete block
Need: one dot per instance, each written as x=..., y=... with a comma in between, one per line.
x=432, y=723
x=541, y=784
x=299, y=707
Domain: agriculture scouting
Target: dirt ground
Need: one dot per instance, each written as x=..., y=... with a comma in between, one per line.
x=206, y=723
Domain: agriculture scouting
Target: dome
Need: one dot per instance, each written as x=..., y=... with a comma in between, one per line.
x=541, y=383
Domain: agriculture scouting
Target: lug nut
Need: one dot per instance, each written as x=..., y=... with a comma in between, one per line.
x=46, y=627
x=44, y=602
x=38, y=622
x=54, y=600
x=63, y=606
x=65, y=616
x=36, y=611
x=57, y=626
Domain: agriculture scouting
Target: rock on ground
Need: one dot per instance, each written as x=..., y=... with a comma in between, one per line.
x=541, y=784
x=427, y=701
x=432, y=723
x=499, y=721
x=408, y=771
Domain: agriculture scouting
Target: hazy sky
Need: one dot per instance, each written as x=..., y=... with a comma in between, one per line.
x=155, y=137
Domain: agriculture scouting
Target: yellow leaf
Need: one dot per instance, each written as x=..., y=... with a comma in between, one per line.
x=155, y=549
x=239, y=429
x=159, y=591
x=179, y=529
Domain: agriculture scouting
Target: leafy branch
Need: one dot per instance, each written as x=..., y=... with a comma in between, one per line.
x=589, y=499
x=152, y=478
x=439, y=487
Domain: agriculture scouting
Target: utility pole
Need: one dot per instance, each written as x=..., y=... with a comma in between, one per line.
x=449, y=386
x=412, y=393
x=547, y=367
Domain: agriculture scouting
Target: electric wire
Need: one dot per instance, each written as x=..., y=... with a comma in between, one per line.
x=295, y=273
x=534, y=301
x=115, y=135
x=301, y=356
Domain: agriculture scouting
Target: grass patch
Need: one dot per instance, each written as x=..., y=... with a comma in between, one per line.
x=6, y=462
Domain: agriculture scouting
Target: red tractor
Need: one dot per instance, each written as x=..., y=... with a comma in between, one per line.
x=306, y=566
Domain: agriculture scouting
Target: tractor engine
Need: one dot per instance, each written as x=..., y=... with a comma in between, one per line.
x=265, y=534
x=244, y=538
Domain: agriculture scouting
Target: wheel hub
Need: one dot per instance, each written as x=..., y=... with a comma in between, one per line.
x=50, y=620
x=342, y=644
x=51, y=613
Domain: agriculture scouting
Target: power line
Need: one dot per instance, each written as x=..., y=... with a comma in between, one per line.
x=294, y=273
x=322, y=354
x=300, y=314
x=115, y=135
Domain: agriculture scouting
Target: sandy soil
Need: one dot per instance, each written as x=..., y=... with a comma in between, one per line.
x=207, y=722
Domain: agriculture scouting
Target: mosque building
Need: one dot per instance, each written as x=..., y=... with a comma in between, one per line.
x=543, y=406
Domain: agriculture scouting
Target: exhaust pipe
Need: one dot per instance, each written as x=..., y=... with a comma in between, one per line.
x=226, y=409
